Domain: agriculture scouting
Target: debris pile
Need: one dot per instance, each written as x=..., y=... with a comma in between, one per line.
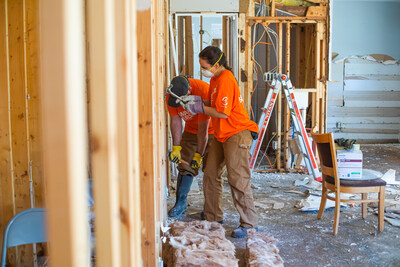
x=198, y=243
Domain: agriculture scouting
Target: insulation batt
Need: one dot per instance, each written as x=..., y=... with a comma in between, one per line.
x=261, y=250
x=198, y=243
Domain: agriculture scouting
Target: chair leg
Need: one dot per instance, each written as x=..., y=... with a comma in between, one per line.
x=381, y=208
x=364, y=196
x=323, y=203
x=337, y=213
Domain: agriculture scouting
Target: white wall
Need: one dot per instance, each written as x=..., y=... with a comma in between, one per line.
x=364, y=95
x=366, y=27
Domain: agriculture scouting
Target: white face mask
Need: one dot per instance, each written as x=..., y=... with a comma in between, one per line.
x=207, y=73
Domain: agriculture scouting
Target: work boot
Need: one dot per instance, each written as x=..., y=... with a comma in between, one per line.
x=241, y=232
x=183, y=187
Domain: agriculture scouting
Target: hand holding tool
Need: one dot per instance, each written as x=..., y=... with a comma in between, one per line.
x=193, y=103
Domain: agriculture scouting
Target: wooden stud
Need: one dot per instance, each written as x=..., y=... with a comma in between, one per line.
x=242, y=58
x=305, y=20
x=287, y=111
x=225, y=43
x=64, y=130
x=279, y=102
x=6, y=170
x=273, y=9
x=188, y=46
x=104, y=125
x=115, y=132
x=19, y=116
x=180, y=44
x=146, y=134
x=249, y=63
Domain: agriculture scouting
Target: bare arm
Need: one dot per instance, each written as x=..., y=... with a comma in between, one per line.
x=210, y=111
x=202, y=136
x=176, y=130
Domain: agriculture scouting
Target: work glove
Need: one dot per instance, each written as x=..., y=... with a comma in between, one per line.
x=175, y=154
x=193, y=103
x=196, y=161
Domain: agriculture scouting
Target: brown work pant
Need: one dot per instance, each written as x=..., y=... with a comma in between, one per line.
x=189, y=147
x=235, y=151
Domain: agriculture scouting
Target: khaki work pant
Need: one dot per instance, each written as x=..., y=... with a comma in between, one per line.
x=235, y=151
x=189, y=147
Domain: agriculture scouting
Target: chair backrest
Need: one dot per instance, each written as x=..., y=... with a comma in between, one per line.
x=26, y=227
x=327, y=155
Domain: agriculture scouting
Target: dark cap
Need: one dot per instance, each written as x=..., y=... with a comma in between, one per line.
x=180, y=87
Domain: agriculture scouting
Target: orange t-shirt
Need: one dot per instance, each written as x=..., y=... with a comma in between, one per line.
x=199, y=88
x=225, y=97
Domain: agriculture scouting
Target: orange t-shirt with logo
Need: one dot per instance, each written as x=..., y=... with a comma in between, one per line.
x=199, y=88
x=225, y=97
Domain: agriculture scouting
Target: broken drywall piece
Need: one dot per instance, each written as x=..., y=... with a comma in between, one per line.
x=334, y=55
x=278, y=205
x=392, y=221
x=312, y=203
x=262, y=205
x=261, y=250
x=301, y=182
x=255, y=186
x=296, y=192
x=309, y=183
x=381, y=58
x=390, y=177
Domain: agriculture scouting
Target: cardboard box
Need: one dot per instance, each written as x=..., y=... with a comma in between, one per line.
x=349, y=164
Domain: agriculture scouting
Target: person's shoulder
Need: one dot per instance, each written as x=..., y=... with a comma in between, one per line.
x=197, y=82
x=199, y=85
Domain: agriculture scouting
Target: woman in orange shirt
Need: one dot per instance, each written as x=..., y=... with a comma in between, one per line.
x=233, y=131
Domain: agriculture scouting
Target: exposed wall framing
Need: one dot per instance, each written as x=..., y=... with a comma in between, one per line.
x=303, y=55
x=21, y=167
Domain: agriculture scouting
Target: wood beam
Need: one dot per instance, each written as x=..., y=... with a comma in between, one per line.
x=146, y=89
x=7, y=209
x=308, y=20
x=287, y=112
x=65, y=130
x=188, y=46
x=279, y=102
x=19, y=116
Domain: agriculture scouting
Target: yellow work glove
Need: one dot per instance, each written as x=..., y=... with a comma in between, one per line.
x=175, y=154
x=196, y=161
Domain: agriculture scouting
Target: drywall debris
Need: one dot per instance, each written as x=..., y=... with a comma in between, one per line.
x=278, y=205
x=312, y=203
x=309, y=183
x=382, y=58
x=301, y=182
x=255, y=186
x=261, y=250
x=390, y=177
x=198, y=243
x=393, y=219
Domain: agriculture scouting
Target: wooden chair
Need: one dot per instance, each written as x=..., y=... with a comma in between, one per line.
x=331, y=183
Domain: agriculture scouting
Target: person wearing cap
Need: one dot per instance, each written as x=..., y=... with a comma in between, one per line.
x=190, y=147
x=234, y=133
